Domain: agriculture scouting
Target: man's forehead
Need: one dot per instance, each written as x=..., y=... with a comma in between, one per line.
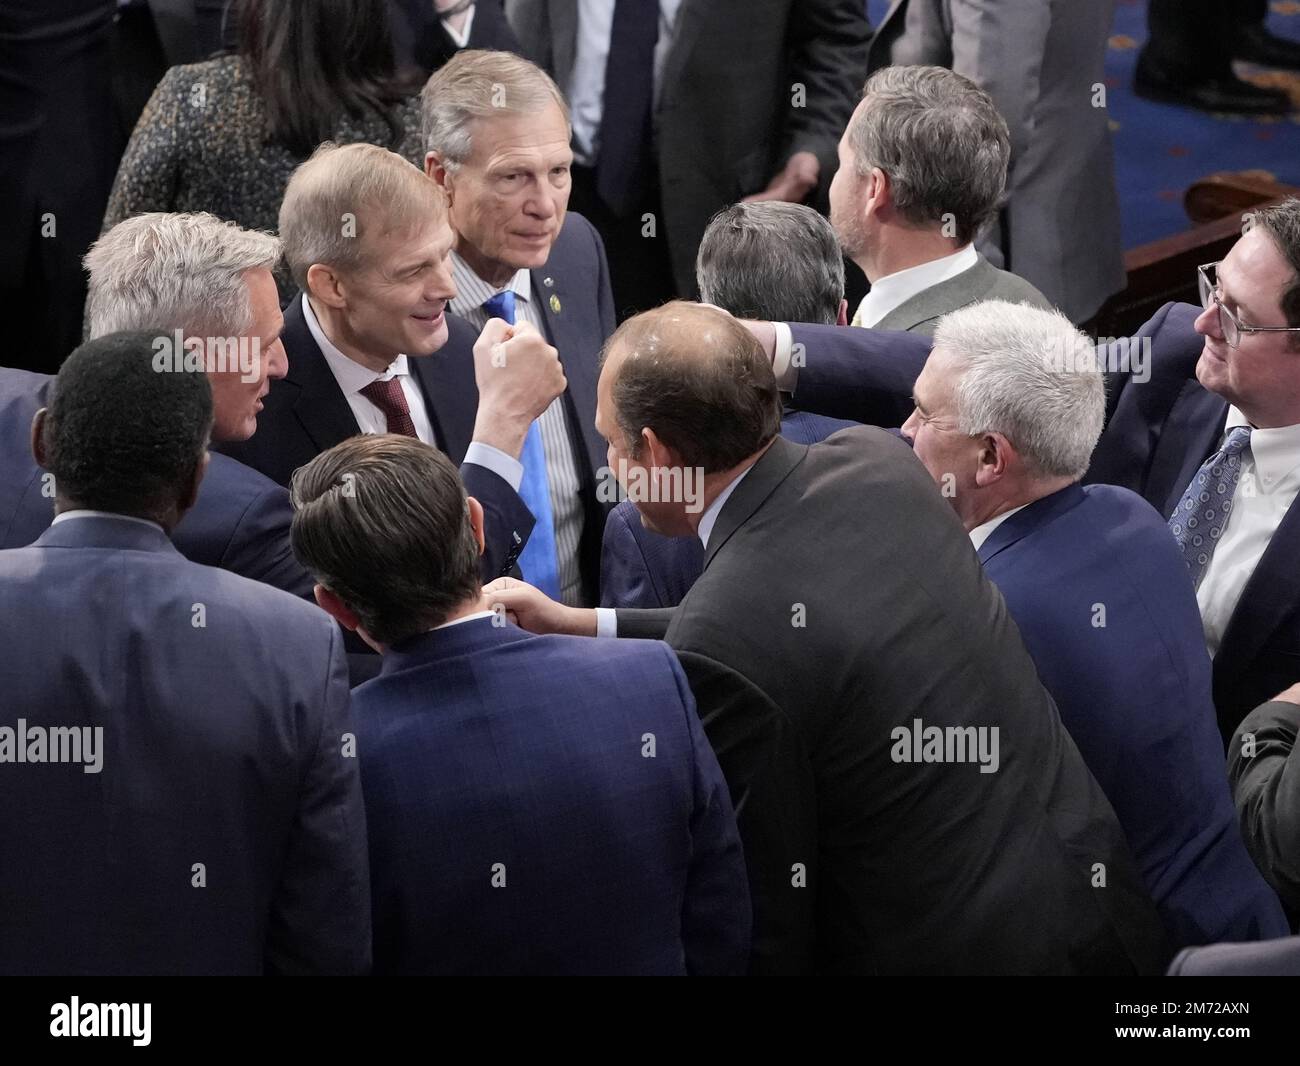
x=519, y=133
x=1254, y=272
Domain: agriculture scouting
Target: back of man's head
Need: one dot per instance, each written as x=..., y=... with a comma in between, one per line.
x=1028, y=374
x=940, y=139
x=122, y=437
x=382, y=521
x=346, y=194
x=699, y=379
x=772, y=260
x=175, y=271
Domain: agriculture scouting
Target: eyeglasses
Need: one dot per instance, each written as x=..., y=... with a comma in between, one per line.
x=1207, y=279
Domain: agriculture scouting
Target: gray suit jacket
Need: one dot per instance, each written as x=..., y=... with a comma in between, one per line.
x=983, y=281
x=840, y=602
x=729, y=113
x=1042, y=62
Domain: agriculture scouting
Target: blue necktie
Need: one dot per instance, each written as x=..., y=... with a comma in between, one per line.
x=538, y=560
x=1202, y=513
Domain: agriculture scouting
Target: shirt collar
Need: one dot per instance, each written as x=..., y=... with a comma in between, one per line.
x=351, y=375
x=467, y=618
x=891, y=292
x=980, y=534
x=1276, y=452
x=66, y=516
x=710, y=516
x=472, y=291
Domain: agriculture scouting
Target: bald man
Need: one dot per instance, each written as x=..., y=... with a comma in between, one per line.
x=904, y=785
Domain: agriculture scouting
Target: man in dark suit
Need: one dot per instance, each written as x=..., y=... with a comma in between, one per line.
x=427, y=33
x=903, y=780
x=537, y=805
x=1100, y=595
x=497, y=133
x=684, y=106
x=362, y=338
x=1192, y=386
x=154, y=674
x=1262, y=766
x=201, y=277
x=761, y=260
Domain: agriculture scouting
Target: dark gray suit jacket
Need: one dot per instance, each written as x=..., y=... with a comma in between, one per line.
x=840, y=603
x=1042, y=61
x=983, y=281
x=729, y=113
x=1264, y=772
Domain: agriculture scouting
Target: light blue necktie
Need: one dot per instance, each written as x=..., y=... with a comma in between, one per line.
x=538, y=559
x=1202, y=513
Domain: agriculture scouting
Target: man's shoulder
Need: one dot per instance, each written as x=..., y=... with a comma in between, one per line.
x=576, y=244
x=229, y=485
x=1003, y=285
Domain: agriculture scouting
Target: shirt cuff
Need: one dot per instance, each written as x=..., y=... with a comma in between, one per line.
x=787, y=374
x=606, y=622
x=506, y=467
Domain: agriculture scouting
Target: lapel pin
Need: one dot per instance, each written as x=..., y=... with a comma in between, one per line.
x=555, y=303
x=548, y=282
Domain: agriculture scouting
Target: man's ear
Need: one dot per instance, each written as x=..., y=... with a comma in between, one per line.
x=880, y=194
x=657, y=453
x=842, y=319
x=336, y=608
x=434, y=168
x=476, y=521
x=325, y=285
x=38, y=436
x=995, y=458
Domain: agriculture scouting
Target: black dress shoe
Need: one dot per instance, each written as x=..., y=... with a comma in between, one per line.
x=1254, y=44
x=1219, y=92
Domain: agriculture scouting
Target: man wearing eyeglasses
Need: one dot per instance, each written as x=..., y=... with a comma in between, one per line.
x=1207, y=430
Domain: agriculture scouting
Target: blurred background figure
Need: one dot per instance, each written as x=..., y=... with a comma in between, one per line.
x=224, y=135
x=1188, y=58
x=685, y=106
x=427, y=33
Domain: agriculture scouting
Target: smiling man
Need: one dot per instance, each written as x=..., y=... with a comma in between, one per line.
x=497, y=133
x=365, y=235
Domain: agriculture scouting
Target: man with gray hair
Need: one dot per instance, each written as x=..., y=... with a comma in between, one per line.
x=923, y=164
x=497, y=132
x=1008, y=409
x=205, y=288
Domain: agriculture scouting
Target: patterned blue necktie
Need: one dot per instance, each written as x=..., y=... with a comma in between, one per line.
x=538, y=560
x=1198, y=521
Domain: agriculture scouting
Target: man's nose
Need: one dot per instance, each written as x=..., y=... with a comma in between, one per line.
x=277, y=364
x=1208, y=324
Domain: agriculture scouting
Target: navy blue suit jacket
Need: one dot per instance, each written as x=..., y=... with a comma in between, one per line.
x=1158, y=433
x=1274, y=958
x=577, y=306
x=223, y=705
x=639, y=568
x=1133, y=688
x=306, y=413
x=545, y=805
x=240, y=521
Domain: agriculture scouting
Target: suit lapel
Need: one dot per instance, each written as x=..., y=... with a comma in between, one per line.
x=761, y=481
x=889, y=30
x=1189, y=435
x=685, y=33
x=563, y=15
x=564, y=333
x=320, y=407
x=450, y=392
x=967, y=287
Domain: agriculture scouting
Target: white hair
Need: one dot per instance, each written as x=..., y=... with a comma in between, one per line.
x=1030, y=375
x=175, y=271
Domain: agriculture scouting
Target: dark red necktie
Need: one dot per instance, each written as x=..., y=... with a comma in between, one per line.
x=389, y=398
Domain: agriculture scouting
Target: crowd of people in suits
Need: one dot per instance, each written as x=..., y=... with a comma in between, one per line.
x=926, y=637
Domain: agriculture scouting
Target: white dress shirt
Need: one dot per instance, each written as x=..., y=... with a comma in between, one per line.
x=352, y=377
x=607, y=617
x=1269, y=483
x=562, y=472
x=82, y=512
x=586, y=88
x=981, y=533
x=892, y=291
x=460, y=36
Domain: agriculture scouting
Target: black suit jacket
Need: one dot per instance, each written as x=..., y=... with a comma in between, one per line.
x=306, y=413
x=421, y=40
x=841, y=602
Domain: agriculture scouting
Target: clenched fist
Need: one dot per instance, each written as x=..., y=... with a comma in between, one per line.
x=518, y=375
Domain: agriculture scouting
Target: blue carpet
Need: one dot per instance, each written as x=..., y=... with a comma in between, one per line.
x=1160, y=150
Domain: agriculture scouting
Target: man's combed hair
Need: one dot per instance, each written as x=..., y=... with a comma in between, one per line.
x=941, y=141
x=120, y=436
x=700, y=380
x=773, y=261
x=1028, y=374
x=1282, y=223
x=175, y=271
x=480, y=84
x=382, y=521
x=344, y=193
